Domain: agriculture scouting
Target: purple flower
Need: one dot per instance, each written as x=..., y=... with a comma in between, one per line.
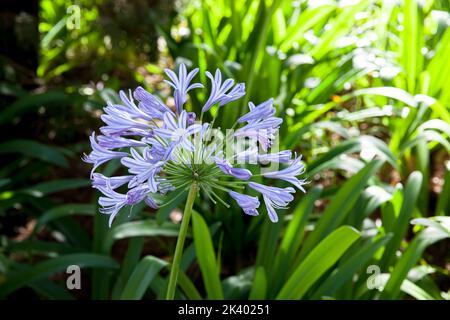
x=178, y=131
x=247, y=203
x=237, y=92
x=220, y=92
x=263, y=131
x=290, y=173
x=111, y=203
x=261, y=111
x=181, y=84
x=282, y=156
x=263, y=124
x=144, y=168
x=120, y=122
x=138, y=194
x=157, y=150
x=151, y=202
x=165, y=151
x=191, y=116
x=112, y=142
x=131, y=109
x=99, y=180
x=274, y=198
x=264, y=136
x=149, y=104
x=100, y=155
x=227, y=168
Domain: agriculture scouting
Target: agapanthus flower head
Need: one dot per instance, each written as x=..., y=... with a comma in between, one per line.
x=165, y=151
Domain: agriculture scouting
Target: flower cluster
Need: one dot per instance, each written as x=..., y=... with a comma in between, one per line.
x=167, y=150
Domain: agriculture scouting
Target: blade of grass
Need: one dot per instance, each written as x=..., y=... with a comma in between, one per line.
x=206, y=257
x=345, y=272
x=259, y=287
x=401, y=225
x=317, y=262
x=142, y=276
x=339, y=206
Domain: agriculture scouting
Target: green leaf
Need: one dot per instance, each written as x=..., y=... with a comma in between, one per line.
x=293, y=236
x=4, y=182
x=49, y=187
x=340, y=205
x=345, y=272
x=32, y=103
x=443, y=204
x=188, y=287
x=412, y=37
x=49, y=248
x=259, y=288
x=130, y=260
x=318, y=261
x=52, y=266
x=206, y=257
x=410, y=257
x=145, y=228
x=141, y=277
x=415, y=291
x=294, y=232
x=411, y=193
x=339, y=27
x=51, y=291
x=45, y=287
x=189, y=255
x=49, y=36
x=268, y=244
x=389, y=92
x=362, y=143
x=63, y=211
x=34, y=149
x=438, y=68
x=307, y=20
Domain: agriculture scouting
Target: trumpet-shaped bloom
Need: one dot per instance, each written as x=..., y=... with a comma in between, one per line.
x=144, y=167
x=261, y=111
x=274, y=198
x=181, y=84
x=282, y=156
x=150, y=105
x=290, y=174
x=111, y=202
x=227, y=168
x=263, y=130
x=249, y=204
x=220, y=92
x=100, y=155
x=111, y=142
x=99, y=180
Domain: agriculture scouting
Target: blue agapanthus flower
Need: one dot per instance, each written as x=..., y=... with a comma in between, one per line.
x=167, y=150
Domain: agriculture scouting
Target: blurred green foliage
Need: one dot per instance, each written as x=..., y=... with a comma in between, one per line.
x=361, y=86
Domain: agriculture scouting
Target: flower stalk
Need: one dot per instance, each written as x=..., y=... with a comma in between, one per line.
x=175, y=268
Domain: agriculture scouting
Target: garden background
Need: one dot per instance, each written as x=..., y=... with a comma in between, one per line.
x=363, y=87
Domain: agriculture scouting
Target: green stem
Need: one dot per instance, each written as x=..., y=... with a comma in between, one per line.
x=180, y=242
